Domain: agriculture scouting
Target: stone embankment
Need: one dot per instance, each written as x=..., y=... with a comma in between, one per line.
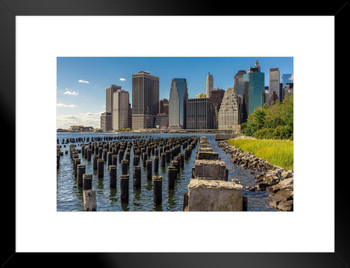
x=270, y=178
x=209, y=188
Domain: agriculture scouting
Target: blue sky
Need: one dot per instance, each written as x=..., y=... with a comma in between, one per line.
x=81, y=82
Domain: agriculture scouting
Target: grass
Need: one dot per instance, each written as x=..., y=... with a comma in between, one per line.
x=276, y=152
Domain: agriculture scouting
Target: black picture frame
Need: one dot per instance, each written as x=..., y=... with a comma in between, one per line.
x=9, y=9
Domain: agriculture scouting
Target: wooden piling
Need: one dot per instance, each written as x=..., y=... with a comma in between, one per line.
x=100, y=168
x=149, y=169
x=137, y=177
x=172, y=175
x=87, y=181
x=124, y=188
x=80, y=172
x=89, y=200
x=156, y=164
x=113, y=176
x=157, y=189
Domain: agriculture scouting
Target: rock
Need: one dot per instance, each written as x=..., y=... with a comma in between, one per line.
x=273, y=204
x=283, y=194
x=285, y=205
x=287, y=174
x=250, y=188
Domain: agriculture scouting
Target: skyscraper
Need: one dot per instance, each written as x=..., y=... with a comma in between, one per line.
x=177, y=103
x=229, y=113
x=239, y=83
x=254, y=83
x=106, y=121
x=109, y=97
x=164, y=106
x=106, y=118
x=275, y=81
x=199, y=113
x=120, y=114
x=216, y=96
x=287, y=78
x=210, y=84
x=145, y=98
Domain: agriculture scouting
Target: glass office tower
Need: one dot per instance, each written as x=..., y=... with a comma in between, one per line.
x=254, y=84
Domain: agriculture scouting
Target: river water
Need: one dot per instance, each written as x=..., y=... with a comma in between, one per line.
x=69, y=196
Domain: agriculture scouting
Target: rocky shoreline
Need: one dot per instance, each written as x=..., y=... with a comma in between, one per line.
x=278, y=181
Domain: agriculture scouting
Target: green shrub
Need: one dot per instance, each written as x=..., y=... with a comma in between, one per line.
x=265, y=133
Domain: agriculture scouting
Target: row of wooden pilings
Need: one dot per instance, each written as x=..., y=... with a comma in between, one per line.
x=97, y=138
x=112, y=152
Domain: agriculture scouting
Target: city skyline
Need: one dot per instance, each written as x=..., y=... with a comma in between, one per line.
x=81, y=82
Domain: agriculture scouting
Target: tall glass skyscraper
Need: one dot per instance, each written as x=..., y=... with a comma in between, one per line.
x=177, y=103
x=254, y=84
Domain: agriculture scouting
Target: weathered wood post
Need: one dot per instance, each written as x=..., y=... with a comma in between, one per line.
x=100, y=168
x=87, y=181
x=77, y=161
x=172, y=175
x=157, y=189
x=245, y=203
x=114, y=159
x=125, y=166
x=89, y=155
x=80, y=172
x=124, y=188
x=182, y=160
x=167, y=156
x=162, y=160
x=94, y=163
x=113, y=176
x=156, y=164
x=136, y=160
x=89, y=200
x=149, y=169
x=137, y=177
x=109, y=158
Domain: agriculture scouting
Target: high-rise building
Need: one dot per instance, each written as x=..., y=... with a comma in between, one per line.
x=281, y=93
x=254, y=84
x=163, y=106
x=120, y=114
x=210, y=84
x=229, y=113
x=177, y=103
x=216, y=96
x=273, y=97
x=199, y=113
x=238, y=83
x=145, y=100
x=109, y=97
x=275, y=81
x=267, y=95
x=288, y=89
x=106, y=121
x=287, y=78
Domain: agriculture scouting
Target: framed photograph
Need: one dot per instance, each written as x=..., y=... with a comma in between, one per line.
x=170, y=134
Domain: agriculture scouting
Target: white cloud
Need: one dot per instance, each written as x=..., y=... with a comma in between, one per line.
x=86, y=119
x=72, y=93
x=83, y=81
x=122, y=79
x=62, y=105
